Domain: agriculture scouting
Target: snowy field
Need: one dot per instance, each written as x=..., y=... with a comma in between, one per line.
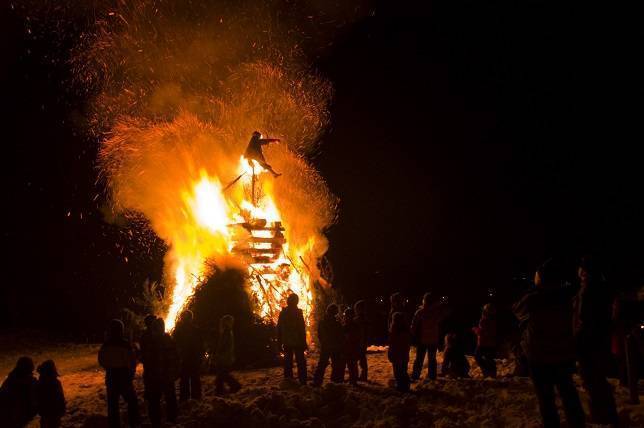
x=268, y=401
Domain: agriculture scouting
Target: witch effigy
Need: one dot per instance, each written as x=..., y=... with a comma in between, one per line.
x=254, y=151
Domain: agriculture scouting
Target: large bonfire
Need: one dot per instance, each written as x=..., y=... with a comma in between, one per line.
x=176, y=106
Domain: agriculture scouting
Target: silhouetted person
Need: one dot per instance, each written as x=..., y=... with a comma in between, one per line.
x=545, y=315
x=18, y=395
x=50, y=396
x=148, y=321
x=397, y=304
x=398, y=353
x=291, y=336
x=425, y=328
x=351, y=345
x=160, y=370
x=254, y=151
x=331, y=337
x=486, y=341
x=455, y=362
x=118, y=359
x=225, y=356
x=593, y=313
x=363, y=326
x=191, y=350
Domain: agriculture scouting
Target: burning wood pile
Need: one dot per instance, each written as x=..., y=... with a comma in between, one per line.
x=174, y=101
x=244, y=217
x=258, y=238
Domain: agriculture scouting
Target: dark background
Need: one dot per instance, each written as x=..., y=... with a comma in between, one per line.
x=469, y=141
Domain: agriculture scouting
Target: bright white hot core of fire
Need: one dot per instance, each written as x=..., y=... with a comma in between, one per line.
x=209, y=213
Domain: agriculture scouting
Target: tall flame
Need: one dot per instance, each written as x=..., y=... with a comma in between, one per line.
x=212, y=213
x=208, y=214
x=179, y=88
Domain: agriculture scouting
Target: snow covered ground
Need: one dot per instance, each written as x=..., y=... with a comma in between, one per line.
x=268, y=401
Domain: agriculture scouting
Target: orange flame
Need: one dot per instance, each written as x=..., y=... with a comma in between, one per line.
x=210, y=213
x=176, y=99
x=181, y=176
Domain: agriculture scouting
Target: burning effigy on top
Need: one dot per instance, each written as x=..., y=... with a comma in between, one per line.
x=175, y=105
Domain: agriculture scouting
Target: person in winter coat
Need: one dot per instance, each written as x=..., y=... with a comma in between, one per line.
x=425, y=329
x=454, y=361
x=545, y=315
x=593, y=322
x=18, y=395
x=291, y=336
x=225, y=356
x=160, y=370
x=191, y=350
x=50, y=396
x=398, y=353
x=397, y=304
x=331, y=337
x=118, y=358
x=486, y=341
x=363, y=325
x=148, y=321
x=351, y=345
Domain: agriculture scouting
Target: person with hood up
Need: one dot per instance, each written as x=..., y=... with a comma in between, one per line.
x=547, y=340
x=330, y=336
x=18, y=401
x=50, y=396
x=291, y=336
x=118, y=358
x=425, y=329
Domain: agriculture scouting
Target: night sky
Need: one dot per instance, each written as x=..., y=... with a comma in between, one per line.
x=468, y=143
